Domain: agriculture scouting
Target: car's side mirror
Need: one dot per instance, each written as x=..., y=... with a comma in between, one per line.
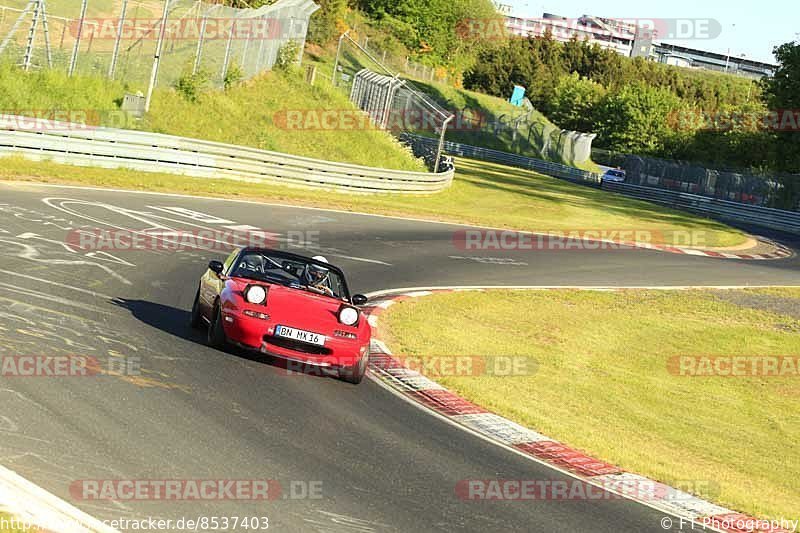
x=359, y=299
x=216, y=267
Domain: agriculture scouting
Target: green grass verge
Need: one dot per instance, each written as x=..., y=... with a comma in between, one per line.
x=482, y=194
x=532, y=134
x=602, y=383
x=536, y=136
x=247, y=114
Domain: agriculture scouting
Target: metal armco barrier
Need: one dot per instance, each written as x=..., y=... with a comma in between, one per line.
x=555, y=170
x=152, y=152
x=778, y=219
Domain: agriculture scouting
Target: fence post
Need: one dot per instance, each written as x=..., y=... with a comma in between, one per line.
x=16, y=26
x=76, y=48
x=200, y=39
x=115, y=55
x=441, y=144
x=26, y=62
x=260, y=54
x=157, y=56
x=336, y=61
x=244, y=49
x=226, y=60
x=46, y=29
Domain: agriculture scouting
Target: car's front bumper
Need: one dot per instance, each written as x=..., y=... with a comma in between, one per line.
x=258, y=335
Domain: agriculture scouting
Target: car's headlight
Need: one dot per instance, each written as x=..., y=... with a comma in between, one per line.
x=348, y=316
x=256, y=294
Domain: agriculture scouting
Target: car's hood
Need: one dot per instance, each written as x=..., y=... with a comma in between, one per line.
x=297, y=308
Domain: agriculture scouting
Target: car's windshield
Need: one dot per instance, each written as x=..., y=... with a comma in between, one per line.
x=295, y=273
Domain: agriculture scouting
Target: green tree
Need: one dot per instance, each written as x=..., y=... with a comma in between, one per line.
x=326, y=23
x=783, y=89
x=782, y=95
x=636, y=119
x=439, y=32
x=576, y=100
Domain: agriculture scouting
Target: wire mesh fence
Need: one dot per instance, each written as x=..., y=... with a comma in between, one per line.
x=403, y=64
x=392, y=103
x=121, y=38
x=782, y=192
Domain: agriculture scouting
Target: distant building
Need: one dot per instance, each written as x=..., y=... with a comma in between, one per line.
x=607, y=33
x=503, y=9
x=629, y=40
x=690, y=57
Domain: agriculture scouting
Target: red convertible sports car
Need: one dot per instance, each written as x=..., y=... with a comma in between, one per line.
x=285, y=305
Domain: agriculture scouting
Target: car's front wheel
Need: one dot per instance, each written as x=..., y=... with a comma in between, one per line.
x=216, y=333
x=355, y=374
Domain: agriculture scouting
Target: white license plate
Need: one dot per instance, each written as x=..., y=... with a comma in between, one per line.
x=300, y=335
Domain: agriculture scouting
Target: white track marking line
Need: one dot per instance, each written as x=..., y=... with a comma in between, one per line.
x=12, y=275
x=34, y=504
x=405, y=290
x=51, y=298
x=694, y=507
x=511, y=449
x=644, y=246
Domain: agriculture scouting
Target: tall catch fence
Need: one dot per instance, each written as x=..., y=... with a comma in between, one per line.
x=781, y=192
x=121, y=39
x=392, y=103
x=403, y=64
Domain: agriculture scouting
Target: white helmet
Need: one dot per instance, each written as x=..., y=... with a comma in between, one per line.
x=316, y=274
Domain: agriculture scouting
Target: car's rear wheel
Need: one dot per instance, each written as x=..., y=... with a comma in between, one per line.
x=216, y=333
x=355, y=374
x=196, y=319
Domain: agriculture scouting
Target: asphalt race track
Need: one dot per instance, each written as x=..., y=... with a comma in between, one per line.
x=189, y=412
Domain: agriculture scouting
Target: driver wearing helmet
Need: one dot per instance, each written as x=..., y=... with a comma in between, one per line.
x=317, y=277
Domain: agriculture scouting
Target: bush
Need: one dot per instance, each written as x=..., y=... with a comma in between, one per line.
x=191, y=85
x=234, y=75
x=287, y=55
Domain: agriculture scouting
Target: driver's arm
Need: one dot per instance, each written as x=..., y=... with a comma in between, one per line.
x=324, y=288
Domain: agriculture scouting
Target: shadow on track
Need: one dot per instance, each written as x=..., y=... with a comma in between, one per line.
x=175, y=322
